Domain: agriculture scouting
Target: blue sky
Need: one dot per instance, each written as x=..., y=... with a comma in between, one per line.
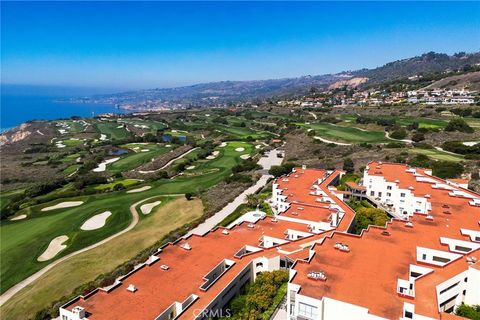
x=158, y=44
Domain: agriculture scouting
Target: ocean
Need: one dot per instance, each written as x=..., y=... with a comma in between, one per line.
x=19, y=108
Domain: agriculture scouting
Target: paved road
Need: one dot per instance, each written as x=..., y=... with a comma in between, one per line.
x=270, y=159
x=19, y=286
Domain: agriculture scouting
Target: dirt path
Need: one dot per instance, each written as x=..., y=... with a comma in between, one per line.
x=169, y=162
x=387, y=135
x=330, y=141
x=19, y=286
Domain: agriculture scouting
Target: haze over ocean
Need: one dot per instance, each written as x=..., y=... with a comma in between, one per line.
x=40, y=103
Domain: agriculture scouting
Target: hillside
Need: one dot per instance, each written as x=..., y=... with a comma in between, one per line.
x=224, y=92
x=425, y=64
x=469, y=81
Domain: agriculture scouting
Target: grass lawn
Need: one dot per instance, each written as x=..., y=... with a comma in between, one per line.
x=243, y=132
x=74, y=126
x=72, y=142
x=428, y=123
x=227, y=158
x=71, y=169
x=345, y=134
x=65, y=277
x=71, y=157
x=32, y=235
x=124, y=182
x=438, y=155
x=112, y=130
x=150, y=125
x=473, y=122
x=133, y=160
x=6, y=197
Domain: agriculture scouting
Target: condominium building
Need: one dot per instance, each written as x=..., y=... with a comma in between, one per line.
x=417, y=267
x=421, y=267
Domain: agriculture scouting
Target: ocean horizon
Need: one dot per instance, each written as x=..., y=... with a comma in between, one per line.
x=18, y=108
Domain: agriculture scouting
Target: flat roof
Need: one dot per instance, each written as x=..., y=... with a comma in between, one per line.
x=377, y=261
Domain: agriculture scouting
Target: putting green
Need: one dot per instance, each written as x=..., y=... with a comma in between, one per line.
x=111, y=130
x=124, y=182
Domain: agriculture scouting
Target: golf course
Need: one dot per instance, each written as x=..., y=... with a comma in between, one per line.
x=34, y=233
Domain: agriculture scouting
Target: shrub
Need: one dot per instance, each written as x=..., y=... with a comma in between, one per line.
x=459, y=125
x=238, y=177
x=417, y=137
x=399, y=134
x=348, y=165
x=447, y=169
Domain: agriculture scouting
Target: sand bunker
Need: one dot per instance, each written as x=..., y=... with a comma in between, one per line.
x=62, y=205
x=55, y=246
x=60, y=144
x=96, y=222
x=240, y=149
x=145, y=150
x=245, y=156
x=147, y=207
x=190, y=168
x=103, y=166
x=224, y=144
x=103, y=137
x=258, y=146
x=20, y=217
x=168, y=145
x=139, y=189
x=213, y=155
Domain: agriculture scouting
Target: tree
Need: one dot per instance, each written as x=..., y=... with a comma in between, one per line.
x=278, y=171
x=253, y=200
x=470, y=312
x=348, y=165
x=369, y=216
x=188, y=196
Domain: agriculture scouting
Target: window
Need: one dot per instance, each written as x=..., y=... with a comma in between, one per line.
x=424, y=256
x=372, y=193
x=64, y=318
x=408, y=315
x=402, y=195
x=379, y=194
x=389, y=187
x=389, y=194
x=464, y=249
x=440, y=259
x=307, y=310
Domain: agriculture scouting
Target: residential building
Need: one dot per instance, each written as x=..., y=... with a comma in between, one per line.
x=419, y=267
